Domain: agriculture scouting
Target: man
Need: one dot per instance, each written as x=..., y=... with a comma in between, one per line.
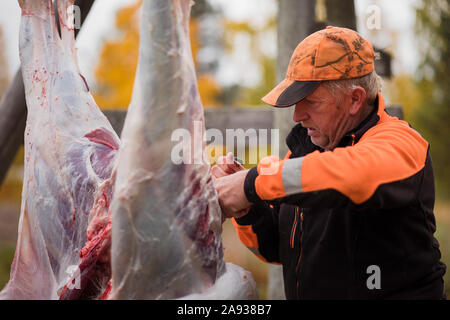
x=349, y=211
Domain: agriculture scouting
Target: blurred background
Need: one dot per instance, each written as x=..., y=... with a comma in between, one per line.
x=234, y=45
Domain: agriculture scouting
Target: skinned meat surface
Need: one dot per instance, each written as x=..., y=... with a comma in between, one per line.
x=166, y=231
x=70, y=149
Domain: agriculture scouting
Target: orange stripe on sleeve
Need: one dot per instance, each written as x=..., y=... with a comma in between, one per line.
x=389, y=152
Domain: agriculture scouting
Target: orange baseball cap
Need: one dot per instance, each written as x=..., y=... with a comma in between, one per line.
x=329, y=54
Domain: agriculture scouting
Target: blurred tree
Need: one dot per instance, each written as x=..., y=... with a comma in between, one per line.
x=208, y=87
x=402, y=90
x=251, y=96
x=116, y=69
x=341, y=13
x=432, y=116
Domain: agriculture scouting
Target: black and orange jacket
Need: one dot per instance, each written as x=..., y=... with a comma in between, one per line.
x=329, y=216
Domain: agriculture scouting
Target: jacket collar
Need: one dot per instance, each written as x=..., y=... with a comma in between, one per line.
x=300, y=144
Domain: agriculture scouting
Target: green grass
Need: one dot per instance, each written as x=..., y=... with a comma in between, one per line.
x=6, y=257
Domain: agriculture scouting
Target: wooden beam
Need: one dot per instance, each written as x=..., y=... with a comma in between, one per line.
x=258, y=117
x=13, y=110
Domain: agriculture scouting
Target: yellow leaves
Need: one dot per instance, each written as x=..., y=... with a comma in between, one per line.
x=193, y=30
x=118, y=62
x=252, y=96
x=257, y=47
x=237, y=26
x=209, y=90
x=403, y=90
x=126, y=18
x=117, y=65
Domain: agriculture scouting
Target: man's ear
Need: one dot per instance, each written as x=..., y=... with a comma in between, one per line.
x=358, y=98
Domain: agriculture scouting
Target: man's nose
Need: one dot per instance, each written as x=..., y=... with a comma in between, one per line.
x=299, y=113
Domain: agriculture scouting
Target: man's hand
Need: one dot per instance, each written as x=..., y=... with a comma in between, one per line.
x=232, y=199
x=227, y=167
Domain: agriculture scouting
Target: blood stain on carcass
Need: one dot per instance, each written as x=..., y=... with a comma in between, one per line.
x=196, y=184
x=85, y=82
x=204, y=234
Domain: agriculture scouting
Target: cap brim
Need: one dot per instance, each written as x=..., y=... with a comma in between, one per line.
x=289, y=92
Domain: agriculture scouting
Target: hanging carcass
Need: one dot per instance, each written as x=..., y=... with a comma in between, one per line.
x=166, y=233
x=166, y=220
x=69, y=155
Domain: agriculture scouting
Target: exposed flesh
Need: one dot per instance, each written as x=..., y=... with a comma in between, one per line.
x=69, y=155
x=166, y=232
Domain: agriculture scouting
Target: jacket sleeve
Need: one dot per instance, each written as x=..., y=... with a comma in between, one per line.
x=258, y=231
x=383, y=169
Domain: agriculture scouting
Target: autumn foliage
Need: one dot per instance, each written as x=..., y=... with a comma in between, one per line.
x=117, y=65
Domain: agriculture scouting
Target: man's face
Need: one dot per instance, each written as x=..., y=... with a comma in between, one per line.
x=326, y=118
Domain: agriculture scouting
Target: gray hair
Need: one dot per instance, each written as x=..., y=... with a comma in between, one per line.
x=371, y=83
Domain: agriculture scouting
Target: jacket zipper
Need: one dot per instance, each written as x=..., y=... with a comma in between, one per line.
x=300, y=254
x=294, y=228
